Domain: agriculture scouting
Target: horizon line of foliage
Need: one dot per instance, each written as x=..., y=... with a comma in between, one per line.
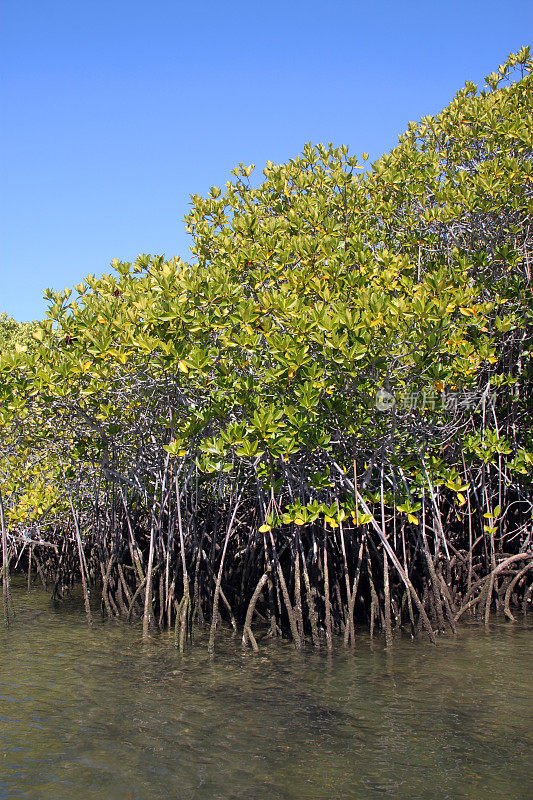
x=251, y=372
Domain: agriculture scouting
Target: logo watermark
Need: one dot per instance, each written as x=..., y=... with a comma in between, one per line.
x=432, y=400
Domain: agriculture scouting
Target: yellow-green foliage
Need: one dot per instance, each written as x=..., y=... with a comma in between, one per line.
x=16, y=336
x=308, y=292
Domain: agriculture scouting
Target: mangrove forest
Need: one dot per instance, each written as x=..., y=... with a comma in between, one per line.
x=320, y=424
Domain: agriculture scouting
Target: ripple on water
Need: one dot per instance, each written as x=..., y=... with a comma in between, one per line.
x=102, y=714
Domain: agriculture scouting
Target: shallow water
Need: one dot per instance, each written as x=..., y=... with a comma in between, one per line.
x=101, y=714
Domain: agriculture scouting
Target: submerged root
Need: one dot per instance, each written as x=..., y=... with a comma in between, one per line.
x=305, y=591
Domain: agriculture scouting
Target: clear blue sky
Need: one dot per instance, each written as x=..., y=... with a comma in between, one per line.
x=114, y=112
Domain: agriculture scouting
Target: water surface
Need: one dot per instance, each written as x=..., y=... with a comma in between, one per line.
x=101, y=714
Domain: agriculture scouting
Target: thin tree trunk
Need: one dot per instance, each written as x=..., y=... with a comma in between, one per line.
x=83, y=564
x=147, y=616
x=6, y=595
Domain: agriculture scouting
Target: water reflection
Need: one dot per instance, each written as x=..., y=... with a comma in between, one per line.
x=100, y=714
